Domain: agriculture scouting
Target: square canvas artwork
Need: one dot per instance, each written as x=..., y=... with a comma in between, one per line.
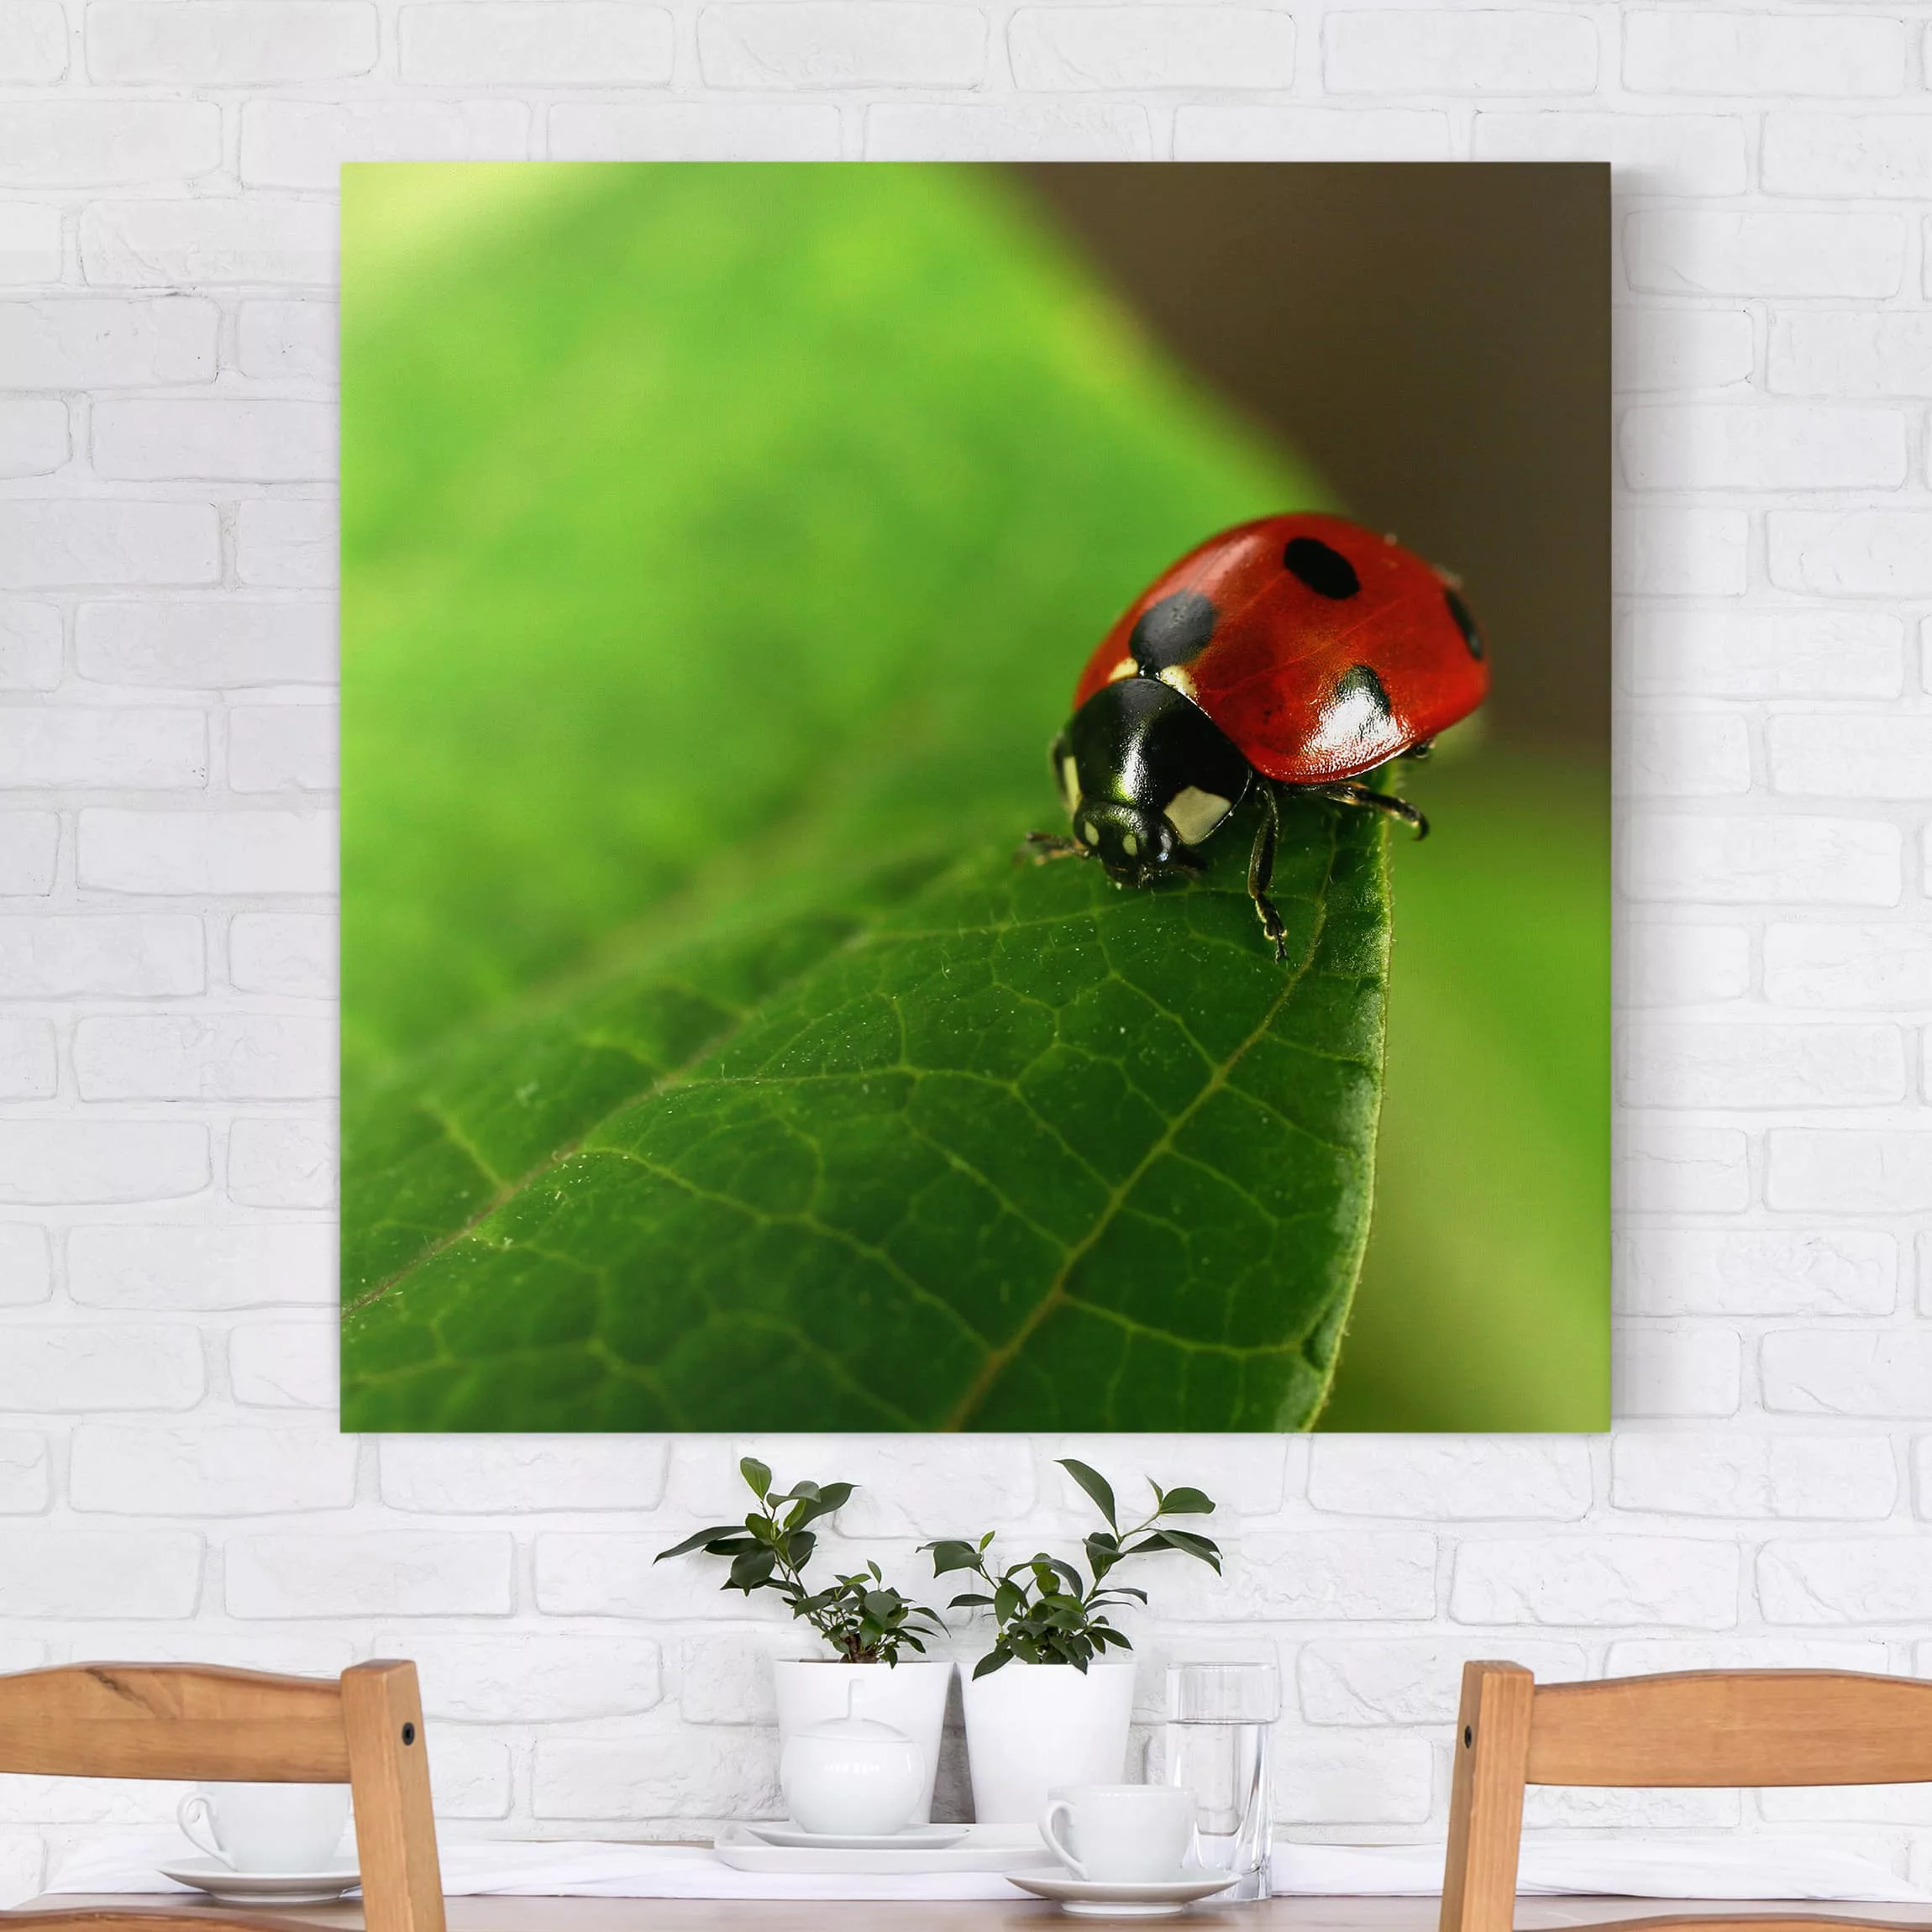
x=740, y=562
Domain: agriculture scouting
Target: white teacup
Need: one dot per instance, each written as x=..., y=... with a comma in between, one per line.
x=1120, y=1833
x=266, y=1827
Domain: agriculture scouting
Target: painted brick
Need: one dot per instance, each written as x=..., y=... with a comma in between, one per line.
x=725, y=1680
x=1675, y=1372
x=171, y=1269
x=515, y=43
x=1717, y=1063
x=1685, y=52
x=281, y=1164
x=841, y=43
x=283, y=953
x=284, y=1365
x=1320, y=1575
x=1765, y=654
x=1641, y=1656
x=691, y=131
x=205, y=1056
x=61, y=1163
x=1340, y=1780
x=206, y=1470
x=1821, y=1371
x=199, y=853
x=287, y=341
x=226, y=645
x=1851, y=553
x=26, y=1481
x=1849, y=353
x=1684, y=1170
x=29, y=241
x=1865, y=155
x=34, y=439
x=1696, y=754
x=1683, y=965
x=1779, y=861
x=79, y=143
x=1248, y=131
x=523, y=1677
x=1671, y=251
x=1556, y=1808
x=617, y=1575
x=371, y=1572
x=711, y=1774
x=1682, y=348
x=29, y=1068
x=26, y=1264
x=1757, y=1271
x=1590, y=1581
x=150, y=749
x=924, y=1486
x=62, y=1574
x=1835, y=967
x=229, y=43
x=100, y=541
x=1443, y=1477
x=1846, y=1476
x=1842, y=755
x=229, y=441
x=29, y=846
x=303, y=144
x=258, y=239
x=33, y=41
x=1409, y=1680
x=30, y=645
x=1151, y=46
x=51, y=1369
x=1762, y=446
x=1850, y=1171
x=286, y=541
x=1671, y=153
x=1679, y=552
x=1047, y=131
x=1480, y=51
x=283, y=747
x=467, y=1475
x=1846, y=1580
x=108, y=342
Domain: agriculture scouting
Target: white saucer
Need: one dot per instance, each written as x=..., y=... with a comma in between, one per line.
x=913, y=1838
x=1091, y=1898
x=233, y=1887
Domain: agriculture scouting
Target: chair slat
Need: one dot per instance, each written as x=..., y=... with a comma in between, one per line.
x=1715, y=1727
x=172, y=1721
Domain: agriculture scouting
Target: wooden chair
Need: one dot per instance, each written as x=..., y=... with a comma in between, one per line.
x=196, y=1721
x=1698, y=1729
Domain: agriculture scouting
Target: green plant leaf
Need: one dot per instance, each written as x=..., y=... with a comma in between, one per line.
x=1186, y=1503
x=757, y=1477
x=1096, y=1485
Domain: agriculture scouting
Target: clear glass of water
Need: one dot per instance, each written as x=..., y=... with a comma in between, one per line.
x=1219, y=1718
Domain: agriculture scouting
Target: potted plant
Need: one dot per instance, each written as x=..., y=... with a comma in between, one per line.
x=864, y=1622
x=1061, y=1717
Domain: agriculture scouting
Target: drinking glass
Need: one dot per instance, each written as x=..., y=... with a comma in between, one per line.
x=1220, y=1716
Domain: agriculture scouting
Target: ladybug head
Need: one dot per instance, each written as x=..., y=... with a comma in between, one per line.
x=1134, y=844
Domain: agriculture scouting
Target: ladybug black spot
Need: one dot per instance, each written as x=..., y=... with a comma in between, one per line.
x=1173, y=631
x=1326, y=571
x=1465, y=622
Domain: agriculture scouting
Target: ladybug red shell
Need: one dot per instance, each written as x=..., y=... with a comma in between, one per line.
x=1294, y=652
x=1323, y=649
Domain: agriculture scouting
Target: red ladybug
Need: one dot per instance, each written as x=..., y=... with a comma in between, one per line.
x=1296, y=652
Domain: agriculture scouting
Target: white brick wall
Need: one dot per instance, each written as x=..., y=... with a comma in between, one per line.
x=170, y=1483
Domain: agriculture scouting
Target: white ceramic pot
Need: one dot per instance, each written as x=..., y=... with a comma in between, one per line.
x=852, y=1775
x=909, y=1697
x=1032, y=1727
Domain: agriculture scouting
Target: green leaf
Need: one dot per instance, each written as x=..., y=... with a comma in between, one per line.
x=1186, y=1503
x=699, y=1539
x=1096, y=1486
x=950, y=1554
x=708, y=1062
x=756, y=1477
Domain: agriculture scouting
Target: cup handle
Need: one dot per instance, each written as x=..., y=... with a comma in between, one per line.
x=195, y=1815
x=1055, y=1810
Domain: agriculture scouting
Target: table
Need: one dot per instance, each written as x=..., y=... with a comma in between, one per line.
x=987, y=1915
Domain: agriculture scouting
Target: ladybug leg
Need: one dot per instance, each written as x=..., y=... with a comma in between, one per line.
x=1040, y=846
x=1260, y=873
x=1361, y=794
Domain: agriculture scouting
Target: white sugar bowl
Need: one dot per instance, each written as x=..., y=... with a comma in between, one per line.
x=852, y=1777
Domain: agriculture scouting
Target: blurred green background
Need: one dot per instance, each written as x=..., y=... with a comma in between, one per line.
x=714, y=533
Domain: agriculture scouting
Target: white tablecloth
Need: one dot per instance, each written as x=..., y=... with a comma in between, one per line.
x=1631, y=1867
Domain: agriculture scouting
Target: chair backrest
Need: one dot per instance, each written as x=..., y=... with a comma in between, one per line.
x=193, y=1720
x=1691, y=1728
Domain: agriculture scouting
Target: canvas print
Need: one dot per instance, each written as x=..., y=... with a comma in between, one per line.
x=975, y=798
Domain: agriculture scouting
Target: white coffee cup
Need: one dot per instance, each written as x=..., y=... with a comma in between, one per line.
x=266, y=1827
x=1120, y=1833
